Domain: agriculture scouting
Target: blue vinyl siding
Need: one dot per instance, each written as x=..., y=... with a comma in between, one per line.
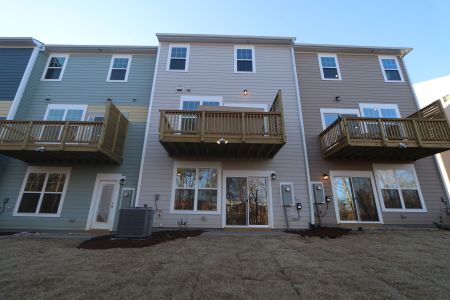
x=13, y=62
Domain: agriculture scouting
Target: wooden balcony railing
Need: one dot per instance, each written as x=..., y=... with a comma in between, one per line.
x=35, y=141
x=424, y=133
x=233, y=127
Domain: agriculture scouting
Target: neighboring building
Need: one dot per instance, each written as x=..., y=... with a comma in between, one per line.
x=428, y=92
x=224, y=138
x=76, y=138
x=368, y=149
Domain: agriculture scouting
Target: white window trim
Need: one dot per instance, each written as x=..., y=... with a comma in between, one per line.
x=201, y=99
x=324, y=111
x=169, y=57
x=66, y=56
x=409, y=167
x=319, y=56
x=380, y=57
x=35, y=169
x=253, y=58
x=111, y=67
x=196, y=164
x=66, y=107
x=379, y=106
x=336, y=173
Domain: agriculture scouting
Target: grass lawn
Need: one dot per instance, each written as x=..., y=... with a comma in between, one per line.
x=392, y=264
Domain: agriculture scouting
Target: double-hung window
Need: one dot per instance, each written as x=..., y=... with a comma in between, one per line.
x=178, y=57
x=393, y=130
x=43, y=192
x=119, y=68
x=56, y=65
x=52, y=133
x=399, y=188
x=391, y=68
x=329, y=67
x=376, y=110
x=329, y=115
x=196, y=187
x=244, y=59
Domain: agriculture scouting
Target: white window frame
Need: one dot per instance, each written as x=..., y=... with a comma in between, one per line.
x=348, y=111
x=40, y=169
x=399, y=69
x=129, y=57
x=337, y=173
x=66, y=56
x=66, y=107
x=379, y=106
x=409, y=167
x=319, y=56
x=201, y=99
x=169, y=56
x=253, y=58
x=197, y=165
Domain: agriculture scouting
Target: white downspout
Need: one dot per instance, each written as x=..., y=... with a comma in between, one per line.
x=302, y=133
x=23, y=83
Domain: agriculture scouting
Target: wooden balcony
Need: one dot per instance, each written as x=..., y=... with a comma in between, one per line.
x=422, y=134
x=223, y=131
x=66, y=141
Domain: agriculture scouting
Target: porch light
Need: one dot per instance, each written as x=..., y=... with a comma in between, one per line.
x=245, y=92
x=338, y=98
x=325, y=176
x=222, y=141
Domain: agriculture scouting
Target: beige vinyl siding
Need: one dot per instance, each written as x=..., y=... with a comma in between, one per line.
x=4, y=108
x=211, y=73
x=133, y=113
x=362, y=82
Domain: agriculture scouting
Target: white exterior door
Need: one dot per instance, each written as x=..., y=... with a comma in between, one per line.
x=104, y=203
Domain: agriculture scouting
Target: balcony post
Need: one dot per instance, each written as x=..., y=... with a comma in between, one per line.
x=243, y=126
x=162, y=117
x=64, y=135
x=27, y=135
x=202, y=124
x=417, y=133
x=382, y=131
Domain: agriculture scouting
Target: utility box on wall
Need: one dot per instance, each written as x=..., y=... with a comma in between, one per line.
x=319, y=195
x=287, y=194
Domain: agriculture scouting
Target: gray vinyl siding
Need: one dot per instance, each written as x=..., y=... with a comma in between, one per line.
x=84, y=82
x=13, y=62
x=362, y=82
x=211, y=73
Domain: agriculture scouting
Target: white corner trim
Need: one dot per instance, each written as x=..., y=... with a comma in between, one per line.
x=147, y=128
x=23, y=84
x=251, y=47
x=66, y=56
x=127, y=72
x=169, y=56
x=43, y=169
x=302, y=135
x=380, y=57
x=319, y=56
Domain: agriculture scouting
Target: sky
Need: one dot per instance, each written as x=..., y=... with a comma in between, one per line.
x=420, y=24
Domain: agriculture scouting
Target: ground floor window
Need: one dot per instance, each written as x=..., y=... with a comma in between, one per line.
x=399, y=188
x=196, y=187
x=43, y=191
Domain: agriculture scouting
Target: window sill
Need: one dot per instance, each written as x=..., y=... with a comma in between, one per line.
x=109, y=80
x=393, y=210
x=198, y=212
x=51, y=79
x=332, y=79
x=36, y=215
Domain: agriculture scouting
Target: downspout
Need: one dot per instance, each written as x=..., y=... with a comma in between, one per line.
x=437, y=159
x=23, y=83
x=302, y=133
x=147, y=129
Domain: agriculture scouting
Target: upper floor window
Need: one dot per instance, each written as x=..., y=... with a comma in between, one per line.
x=329, y=115
x=56, y=65
x=329, y=67
x=63, y=112
x=391, y=68
x=244, y=57
x=374, y=110
x=178, y=57
x=119, y=68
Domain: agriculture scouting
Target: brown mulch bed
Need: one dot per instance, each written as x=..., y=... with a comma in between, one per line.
x=109, y=241
x=7, y=233
x=330, y=232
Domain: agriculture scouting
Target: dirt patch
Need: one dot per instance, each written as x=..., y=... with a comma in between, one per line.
x=330, y=232
x=109, y=241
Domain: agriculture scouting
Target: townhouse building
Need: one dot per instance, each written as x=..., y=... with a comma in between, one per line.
x=74, y=144
x=369, y=148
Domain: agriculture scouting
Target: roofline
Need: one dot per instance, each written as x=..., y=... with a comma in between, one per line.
x=110, y=49
x=215, y=38
x=401, y=51
x=20, y=42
